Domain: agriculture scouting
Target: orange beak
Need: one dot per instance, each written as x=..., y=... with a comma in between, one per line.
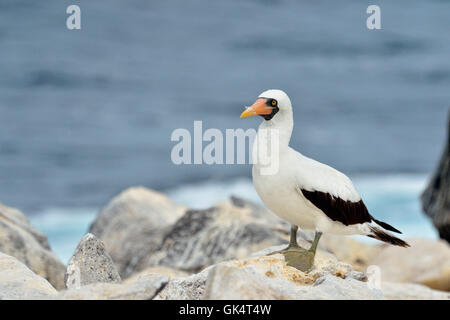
x=258, y=108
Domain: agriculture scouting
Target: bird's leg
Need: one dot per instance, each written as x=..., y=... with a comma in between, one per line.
x=293, y=238
x=293, y=245
x=297, y=257
x=315, y=242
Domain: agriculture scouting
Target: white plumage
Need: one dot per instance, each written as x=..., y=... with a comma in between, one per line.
x=329, y=190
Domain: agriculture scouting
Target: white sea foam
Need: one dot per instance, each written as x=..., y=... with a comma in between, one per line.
x=392, y=198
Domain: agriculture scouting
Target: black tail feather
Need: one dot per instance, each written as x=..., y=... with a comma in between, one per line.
x=385, y=237
x=386, y=226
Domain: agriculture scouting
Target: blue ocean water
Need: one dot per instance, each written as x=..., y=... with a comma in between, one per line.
x=85, y=114
x=391, y=198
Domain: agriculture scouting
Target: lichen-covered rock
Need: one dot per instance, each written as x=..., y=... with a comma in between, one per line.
x=436, y=197
x=18, y=238
x=132, y=226
x=144, y=288
x=273, y=265
x=90, y=263
x=267, y=277
x=17, y=281
x=426, y=262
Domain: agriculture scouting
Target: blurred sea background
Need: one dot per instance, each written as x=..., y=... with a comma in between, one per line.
x=86, y=113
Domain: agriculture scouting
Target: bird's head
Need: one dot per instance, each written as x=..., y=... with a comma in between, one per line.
x=269, y=104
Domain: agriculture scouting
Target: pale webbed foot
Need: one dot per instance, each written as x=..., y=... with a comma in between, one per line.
x=298, y=257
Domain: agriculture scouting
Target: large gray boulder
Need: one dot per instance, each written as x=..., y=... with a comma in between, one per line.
x=90, y=263
x=436, y=197
x=132, y=226
x=20, y=239
x=142, y=228
x=17, y=281
x=203, y=237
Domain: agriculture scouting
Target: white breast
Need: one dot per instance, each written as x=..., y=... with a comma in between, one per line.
x=279, y=194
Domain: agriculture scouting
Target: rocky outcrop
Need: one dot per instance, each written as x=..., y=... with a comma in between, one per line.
x=268, y=277
x=234, y=229
x=165, y=251
x=90, y=264
x=436, y=197
x=17, y=281
x=132, y=226
x=259, y=276
x=18, y=238
x=426, y=262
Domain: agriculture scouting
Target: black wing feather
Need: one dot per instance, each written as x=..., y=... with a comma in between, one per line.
x=344, y=211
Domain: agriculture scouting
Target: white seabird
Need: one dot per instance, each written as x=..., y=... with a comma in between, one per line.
x=306, y=193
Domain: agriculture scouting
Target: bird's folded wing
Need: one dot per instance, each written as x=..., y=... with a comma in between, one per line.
x=337, y=209
x=333, y=193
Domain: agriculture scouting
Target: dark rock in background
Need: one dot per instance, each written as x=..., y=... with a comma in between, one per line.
x=436, y=197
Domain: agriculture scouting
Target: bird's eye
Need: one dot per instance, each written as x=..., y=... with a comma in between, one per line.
x=274, y=102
